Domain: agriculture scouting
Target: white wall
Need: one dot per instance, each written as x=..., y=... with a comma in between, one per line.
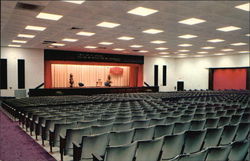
x=148, y=71
x=194, y=71
x=34, y=67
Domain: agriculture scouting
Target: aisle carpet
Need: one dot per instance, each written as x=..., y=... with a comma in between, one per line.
x=16, y=145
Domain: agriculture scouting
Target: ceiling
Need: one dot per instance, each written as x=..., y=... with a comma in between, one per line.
x=87, y=15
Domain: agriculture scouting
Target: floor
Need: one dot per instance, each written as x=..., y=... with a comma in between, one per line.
x=17, y=145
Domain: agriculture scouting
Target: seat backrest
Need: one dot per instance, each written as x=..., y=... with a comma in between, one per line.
x=219, y=153
x=141, y=123
x=172, y=146
x=75, y=135
x=172, y=119
x=149, y=150
x=146, y=133
x=239, y=150
x=193, y=141
x=197, y=124
x=94, y=144
x=235, y=119
x=185, y=118
x=121, y=137
x=245, y=118
x=242, y=131
x=89, y=123
x=198, y=156
x=212, y=137
x=120, y=153
x=139, y=117
x=122, y=119
x=98, y=129
x=106, y=121
x=157, y=121
x=211, y=122
x=180, y=127
x=225, y=120
x=228, y=134
x=162, y=130
x=122, y=126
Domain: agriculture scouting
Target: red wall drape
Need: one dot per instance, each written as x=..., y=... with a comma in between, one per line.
x=135, y=79
x=229, y=79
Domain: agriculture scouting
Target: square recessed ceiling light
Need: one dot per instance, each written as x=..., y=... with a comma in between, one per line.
x=19, y=41
x=26, y=35
x=183, y=50
x=244, y=7
x=199, y=56
x=247, y=34
x=125, y=38
x=227, y=50
x=228, y=28
x=152, y=31
x=118, y=49
x=57, y=44
x=182, y=54
x=202, y=52
x=243, y=52
x=158, y=42
x=90, y=47
x=185, y=45
x=163, y=53
x=219, y=54
x=161, y=48
x=36, y=28
x=136, y=46
x=76, y=2
x=141, y=11
x=106, y=43
x=83, y=33
x=166, y=56
x=49, y=16
x=143, y=51
x=239, y=44
x=187, y=36
x=215, y=40
x=108, y=24
x=207, y=47
x=13, y=45
x=69, y=40
x=192, y=21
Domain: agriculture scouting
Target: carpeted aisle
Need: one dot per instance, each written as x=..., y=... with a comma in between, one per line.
x=16, y=145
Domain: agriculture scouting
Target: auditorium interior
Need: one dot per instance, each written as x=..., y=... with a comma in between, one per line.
x=125, y=80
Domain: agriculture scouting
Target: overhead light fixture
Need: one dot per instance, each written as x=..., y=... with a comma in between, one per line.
x=215, y=40
x=239, y=44
x=219, y=54
x=152, y=31
x=83, y=33
x=227, y=50
x=202, y=52
x=207, y=47
x=36, y=28
x=106, y=43
x=108, y=24
x=143, y=51
x=192, y=21
x=247, y=34
x=158, y=42
x=228, y=28
x=69, y=40
x=90, y=47
x=142, y=11
x=136, y=46
x=243, y=52
x=244, y=7
x=161, y=48
x=199, y=56
x=166, y=56
x=183, y=50
x=76, y=2
x=118, y=49
x=13, y=45
x=182, y=54
x=49, y=16
x=25, y=35
x=57, y=44
x=19, y=41
x=188, y=36
x=185, y=45
x=163, y=53
x=125, y=38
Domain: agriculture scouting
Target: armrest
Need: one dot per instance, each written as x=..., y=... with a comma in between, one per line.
x=96, y=157
x=77, y=150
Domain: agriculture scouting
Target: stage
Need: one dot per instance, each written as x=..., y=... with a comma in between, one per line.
x=88, y=91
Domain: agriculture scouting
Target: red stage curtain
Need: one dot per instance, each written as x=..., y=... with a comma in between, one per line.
x=229, y=79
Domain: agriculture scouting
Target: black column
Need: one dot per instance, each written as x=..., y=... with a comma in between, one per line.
x=164, y=75
x=21, y=73
x=3, y=74
x=156, y=75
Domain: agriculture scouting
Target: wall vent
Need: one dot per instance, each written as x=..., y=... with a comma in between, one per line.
x=30, y=7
